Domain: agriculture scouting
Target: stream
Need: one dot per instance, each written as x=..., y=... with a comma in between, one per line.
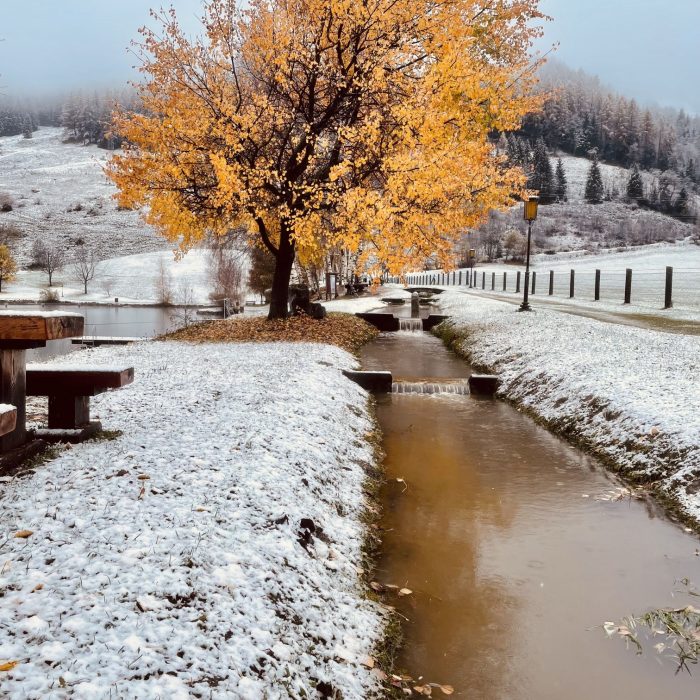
x=516, y=548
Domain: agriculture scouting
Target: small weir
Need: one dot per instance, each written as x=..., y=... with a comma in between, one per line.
x=411, y=325
x=456, y=388
x=513, y=548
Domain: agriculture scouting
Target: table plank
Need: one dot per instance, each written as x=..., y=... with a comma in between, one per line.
x=39, y=326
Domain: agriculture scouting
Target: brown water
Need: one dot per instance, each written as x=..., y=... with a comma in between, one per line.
x=513, y=561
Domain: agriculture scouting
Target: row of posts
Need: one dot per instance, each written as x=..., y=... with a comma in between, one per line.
x=471, y=279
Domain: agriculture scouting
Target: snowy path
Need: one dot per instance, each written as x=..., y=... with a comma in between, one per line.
x=169, y=562
x=639, y=319
x=631, y=394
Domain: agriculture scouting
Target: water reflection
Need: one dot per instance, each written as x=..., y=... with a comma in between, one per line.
x=513, y=560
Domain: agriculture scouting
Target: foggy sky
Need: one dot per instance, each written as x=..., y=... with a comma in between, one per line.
x=647, y=49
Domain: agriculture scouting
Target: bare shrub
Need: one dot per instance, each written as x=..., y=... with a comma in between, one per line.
x=225, y=274
x=10, y=233
x=164, y=285
x=6, y=202
x=49, y=296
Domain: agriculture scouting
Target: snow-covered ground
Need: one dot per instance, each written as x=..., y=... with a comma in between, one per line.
x=648, y=265
x=632, y=395
x=130, y=278
x=61, y=193
x=151, y=567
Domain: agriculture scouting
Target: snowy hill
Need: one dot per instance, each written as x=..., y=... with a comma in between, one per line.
x=59, y=191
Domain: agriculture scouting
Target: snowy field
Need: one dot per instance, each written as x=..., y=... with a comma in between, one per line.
x=648, y=265
x=61, y=193
x=153, y=568
x=132, y=279
x=632, y=395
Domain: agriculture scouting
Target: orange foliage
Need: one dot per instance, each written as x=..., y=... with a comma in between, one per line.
x=330, y=123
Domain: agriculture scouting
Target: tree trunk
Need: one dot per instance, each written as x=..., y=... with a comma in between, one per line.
x=85, y=286
x=279, y=299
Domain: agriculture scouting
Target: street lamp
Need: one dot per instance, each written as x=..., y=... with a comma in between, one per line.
x=530, y=215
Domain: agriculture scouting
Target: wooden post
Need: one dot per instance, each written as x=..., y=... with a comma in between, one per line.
x=483, y=280
x=517, y=282
x=551, y=283
x=572, y=281
x=13, y=390
x=493, y=281
x=460, y=278
x=668, y=296
x=628, y=286
x=504, y=281
x=534, y=280
x=596, y=294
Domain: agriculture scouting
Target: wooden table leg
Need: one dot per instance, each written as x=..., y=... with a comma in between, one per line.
x=13, y=391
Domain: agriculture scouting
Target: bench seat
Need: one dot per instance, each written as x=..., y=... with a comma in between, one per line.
x=69, y=390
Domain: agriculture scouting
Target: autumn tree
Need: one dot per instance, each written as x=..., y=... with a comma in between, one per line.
x=327, y=123
x=8, y=266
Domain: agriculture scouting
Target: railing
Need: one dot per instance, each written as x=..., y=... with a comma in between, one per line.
x=659, y=288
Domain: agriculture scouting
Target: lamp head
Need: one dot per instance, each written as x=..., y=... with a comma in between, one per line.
x=531, y=208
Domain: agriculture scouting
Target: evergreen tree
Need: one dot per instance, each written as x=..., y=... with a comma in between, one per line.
x=635, y=185
x=595, y=192
x=681, y=205
x=262, y=269
x=560, y=184
x=542, y=178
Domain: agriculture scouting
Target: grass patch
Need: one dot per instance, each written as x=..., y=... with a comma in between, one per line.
x=344, y=330
x=107, y=435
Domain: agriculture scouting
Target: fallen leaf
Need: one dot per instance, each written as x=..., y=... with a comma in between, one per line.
x=143, y=477
x=368, y=661
x=446, y=689
x=8, y=665
x=405, y=591
x=38, y=587
x=23, y=534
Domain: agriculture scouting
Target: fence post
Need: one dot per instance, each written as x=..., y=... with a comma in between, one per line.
x=517, y=282
x=596, y=295
x=628, y=286
x=504, y=281
x=483, y=280
x=534, y=280
x=460, y=278
x=572, y=281
x=493, y=281
x=551, y=283
x=668, y=296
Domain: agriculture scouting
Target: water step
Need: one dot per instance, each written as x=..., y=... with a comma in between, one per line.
x=457, y=388
x=411, y=325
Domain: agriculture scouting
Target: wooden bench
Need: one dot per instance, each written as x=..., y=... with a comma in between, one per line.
x=69, y=390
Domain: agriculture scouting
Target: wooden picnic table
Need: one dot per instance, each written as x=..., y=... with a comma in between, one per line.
x=20, y=331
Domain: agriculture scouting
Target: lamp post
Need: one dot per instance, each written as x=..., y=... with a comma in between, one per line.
x=530, y=215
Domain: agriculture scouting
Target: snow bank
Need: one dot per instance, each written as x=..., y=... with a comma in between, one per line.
x=172, y=562
x=630, y=394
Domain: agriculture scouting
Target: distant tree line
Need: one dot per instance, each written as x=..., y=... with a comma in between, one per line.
x=85, y=118
x=580, y=116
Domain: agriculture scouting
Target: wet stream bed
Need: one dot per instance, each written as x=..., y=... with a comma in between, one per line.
x=517, y=548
